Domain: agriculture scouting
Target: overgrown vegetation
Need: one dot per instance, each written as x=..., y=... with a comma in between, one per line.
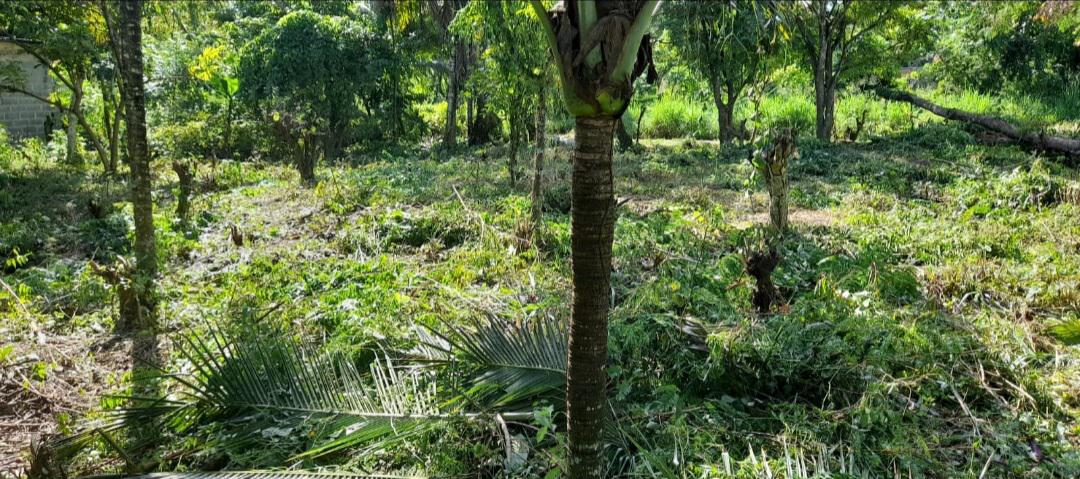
x=401, y=313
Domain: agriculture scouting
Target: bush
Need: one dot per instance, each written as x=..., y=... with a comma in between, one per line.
x=193, y=139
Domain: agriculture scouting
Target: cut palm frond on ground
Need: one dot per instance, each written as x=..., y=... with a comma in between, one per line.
x=266, y=387
x=518, y=362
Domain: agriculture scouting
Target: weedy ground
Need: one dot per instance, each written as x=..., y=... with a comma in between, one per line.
x=921, y=279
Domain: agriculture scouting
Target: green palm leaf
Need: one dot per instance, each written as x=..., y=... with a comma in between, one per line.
x=517, y=361
x=264, y=387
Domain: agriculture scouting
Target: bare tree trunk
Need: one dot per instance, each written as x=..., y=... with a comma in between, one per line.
x=453, y=93
x=824, y=86
x=725, y=116
x=777, y=182
x=1070, y=146
x=138, y=155
x=515, y=145
x=73, y=122
x=537, y=196
x=111, y=123
x=592, y=233
x=186, y=175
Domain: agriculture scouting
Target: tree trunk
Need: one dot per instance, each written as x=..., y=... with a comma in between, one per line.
x=186, y=175
x=537, y=195
x=482, y=123
x=725, y=116
x=138, y=155
x=824, y=96
x=592, y=233
x=73, y=125
x=1069, y=146
x=228, y=125
x=305, y=161
x=453, y=93
x=515, y=145
x=625, y=141
x=112, y=128
x=777, y=181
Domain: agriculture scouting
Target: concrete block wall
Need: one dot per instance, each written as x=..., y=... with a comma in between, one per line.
x=23, y=116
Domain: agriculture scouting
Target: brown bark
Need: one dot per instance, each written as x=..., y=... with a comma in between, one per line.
x=131, y=64
x=186, y=175
x=515, y=145
x=824, y=78
x=592, y=233
x=73, y=121
x=456, y=84
x=537, y=195
x=111, y=125
x=760, y=266
x=774, y=167
x=1069, y=146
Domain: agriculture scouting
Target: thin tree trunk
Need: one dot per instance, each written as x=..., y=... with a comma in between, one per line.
x=592, y=233
x=453, y=93
x=73, y=124
x=537, y=196
x=515, y=145
x=824, y=95
x=139, y=158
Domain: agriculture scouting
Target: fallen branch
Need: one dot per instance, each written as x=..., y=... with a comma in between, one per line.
x=1068, y=146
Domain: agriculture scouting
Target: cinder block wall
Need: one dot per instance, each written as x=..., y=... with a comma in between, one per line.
x=23, y=116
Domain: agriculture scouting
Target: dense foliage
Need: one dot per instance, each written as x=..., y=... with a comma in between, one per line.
x=343, y=292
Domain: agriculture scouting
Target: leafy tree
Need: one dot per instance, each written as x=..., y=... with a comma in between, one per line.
x=728, y=43
x=314, y=76
x=599, y=48
x=833, y=37
x=1022, y=46
x=69, y=39
x=510, y=38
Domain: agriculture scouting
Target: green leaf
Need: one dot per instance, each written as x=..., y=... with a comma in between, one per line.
x=1067, y=332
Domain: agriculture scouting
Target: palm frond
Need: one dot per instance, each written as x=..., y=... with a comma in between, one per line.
x=266, y=387
x=517, y=361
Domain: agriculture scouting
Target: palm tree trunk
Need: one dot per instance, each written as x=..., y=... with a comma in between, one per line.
x=139, y=158
x=592, y=233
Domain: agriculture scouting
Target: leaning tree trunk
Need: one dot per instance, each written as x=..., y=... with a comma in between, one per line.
x=592, y=232
x=1060, y=144
x=73, y=122
x=138, y=154
x=537, y=196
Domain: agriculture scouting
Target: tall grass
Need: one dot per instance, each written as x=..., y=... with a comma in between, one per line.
x=673, y=116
